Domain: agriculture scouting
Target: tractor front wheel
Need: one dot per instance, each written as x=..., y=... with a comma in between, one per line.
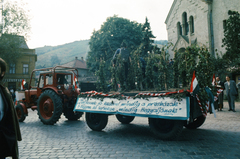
x=20, y=113
x=70, y=115
x=50, y=107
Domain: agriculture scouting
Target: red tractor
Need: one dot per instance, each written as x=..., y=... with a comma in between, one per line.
x=56, y=93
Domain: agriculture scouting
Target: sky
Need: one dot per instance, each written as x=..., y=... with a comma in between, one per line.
x=56, y=22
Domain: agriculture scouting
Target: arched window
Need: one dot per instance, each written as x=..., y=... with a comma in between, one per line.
x=179, y=29
x=191, y=21
x=185, y=24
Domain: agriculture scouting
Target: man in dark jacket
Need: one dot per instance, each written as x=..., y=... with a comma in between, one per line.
x=231, y=91
x=9, y=126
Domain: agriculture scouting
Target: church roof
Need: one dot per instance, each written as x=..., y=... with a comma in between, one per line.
x=76, y=63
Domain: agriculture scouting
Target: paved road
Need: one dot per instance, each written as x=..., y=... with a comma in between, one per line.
x=217, y=138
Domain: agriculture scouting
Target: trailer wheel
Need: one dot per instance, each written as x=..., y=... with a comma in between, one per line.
x=70, y=115
x=96, y=121
x=20, y=113
x=125, y=119
x=50, y=107
x=196, y=123
x=166, y=129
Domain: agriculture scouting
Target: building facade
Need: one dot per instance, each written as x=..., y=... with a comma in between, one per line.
x=84, y=75
x=22, y=69
x=198, y=22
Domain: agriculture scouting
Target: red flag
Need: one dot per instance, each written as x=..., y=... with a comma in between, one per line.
x=75, y=82
x=213, y=80
x=22, y=85
x=194, y=85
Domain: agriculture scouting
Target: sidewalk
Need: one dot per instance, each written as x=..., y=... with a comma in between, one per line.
x=225, y=120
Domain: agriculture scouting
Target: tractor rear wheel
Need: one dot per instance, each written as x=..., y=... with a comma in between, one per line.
x=125, y=119
x=20, y=113
x=166, y=129
x=96, y=121
x=50, y=107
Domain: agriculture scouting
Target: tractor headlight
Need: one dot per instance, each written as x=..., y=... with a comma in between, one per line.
x=58, y=87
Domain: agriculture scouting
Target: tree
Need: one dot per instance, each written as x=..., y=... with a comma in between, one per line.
x=231, y=40
x=147, y=39
x=104, y=42
x=14, y=30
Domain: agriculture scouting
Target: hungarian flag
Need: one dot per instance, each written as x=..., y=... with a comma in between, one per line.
x=22, y=85
x=75, y=82
x=213, y=80
x=194, y=85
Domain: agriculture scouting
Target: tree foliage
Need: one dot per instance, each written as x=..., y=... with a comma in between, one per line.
x=15, y=27
x=104, y=42
x=147, y=39
x=231, y=40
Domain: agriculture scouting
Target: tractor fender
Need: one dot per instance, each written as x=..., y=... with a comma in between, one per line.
x=24, y=108
x=53, y=89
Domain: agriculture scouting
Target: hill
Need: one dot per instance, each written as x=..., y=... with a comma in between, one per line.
x=48, y=55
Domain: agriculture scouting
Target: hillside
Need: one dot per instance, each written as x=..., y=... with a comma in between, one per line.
x=49, y=56
x=65, y=53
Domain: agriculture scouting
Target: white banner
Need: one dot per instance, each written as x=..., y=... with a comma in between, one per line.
x=152, y=107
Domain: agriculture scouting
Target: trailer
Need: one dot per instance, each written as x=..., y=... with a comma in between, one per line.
x=167, y=112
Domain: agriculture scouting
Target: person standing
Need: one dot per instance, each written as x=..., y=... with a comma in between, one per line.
x=125, y=57
x=220, y=85
x=9, y=126
x=231, y=91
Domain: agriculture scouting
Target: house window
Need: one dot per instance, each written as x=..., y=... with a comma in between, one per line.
x=12, y=68
x=25, y=68
x=185, y=24
x=191, y=20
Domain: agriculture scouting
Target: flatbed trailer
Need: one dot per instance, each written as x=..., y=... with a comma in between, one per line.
x=167, y=115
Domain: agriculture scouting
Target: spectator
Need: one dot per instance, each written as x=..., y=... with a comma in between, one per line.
x=9, y=126
x=220, y=84
x=231, y=91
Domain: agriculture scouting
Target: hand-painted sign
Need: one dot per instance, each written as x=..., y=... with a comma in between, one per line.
x=154, y=107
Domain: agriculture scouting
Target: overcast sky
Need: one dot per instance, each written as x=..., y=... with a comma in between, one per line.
x=56, y=22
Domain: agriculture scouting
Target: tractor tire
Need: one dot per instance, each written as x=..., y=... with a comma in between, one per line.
x=125, y=119
x=166, y=129
x=20, y=113
x=49, y=107
x=96, y=121
x=196, y=123
x=70, y=115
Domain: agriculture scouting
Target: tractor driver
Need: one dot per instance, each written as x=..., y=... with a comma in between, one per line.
x=61, y=79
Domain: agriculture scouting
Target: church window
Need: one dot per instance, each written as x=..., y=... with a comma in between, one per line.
x=179, y=29
x=185, y=24
x=191, y=20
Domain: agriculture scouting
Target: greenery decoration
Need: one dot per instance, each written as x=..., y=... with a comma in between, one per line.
x=198, y=59
x=101, y=82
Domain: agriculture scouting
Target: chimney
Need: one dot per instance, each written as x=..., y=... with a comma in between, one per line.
x=82, y=58
x=75, y=58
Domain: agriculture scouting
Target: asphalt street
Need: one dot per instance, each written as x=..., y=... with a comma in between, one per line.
x=217, y=138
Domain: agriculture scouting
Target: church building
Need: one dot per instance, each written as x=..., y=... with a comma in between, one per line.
x=198, y=22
